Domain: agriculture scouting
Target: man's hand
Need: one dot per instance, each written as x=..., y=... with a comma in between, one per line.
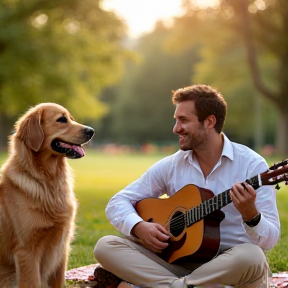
x=153, y=236
x=243, y=196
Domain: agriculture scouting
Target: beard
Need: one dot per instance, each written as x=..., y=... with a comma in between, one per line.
x=191, y=141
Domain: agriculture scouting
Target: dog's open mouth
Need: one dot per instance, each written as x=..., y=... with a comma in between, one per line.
x=70, y=150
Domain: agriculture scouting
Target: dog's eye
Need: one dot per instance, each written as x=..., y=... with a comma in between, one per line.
x=62, y=119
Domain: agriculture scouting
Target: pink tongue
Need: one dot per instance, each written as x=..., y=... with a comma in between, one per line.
x=76, y=148
x=79, y=149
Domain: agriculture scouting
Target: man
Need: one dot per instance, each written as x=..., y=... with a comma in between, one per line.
x=207, y=159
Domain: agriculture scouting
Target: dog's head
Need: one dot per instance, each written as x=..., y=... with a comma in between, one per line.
x=49, y=127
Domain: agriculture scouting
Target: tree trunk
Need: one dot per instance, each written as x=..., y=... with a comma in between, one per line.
x=282, y=135
x=275, y=97
x=259, y=131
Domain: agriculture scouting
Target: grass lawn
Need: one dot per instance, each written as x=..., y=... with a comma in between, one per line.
x=99, y=176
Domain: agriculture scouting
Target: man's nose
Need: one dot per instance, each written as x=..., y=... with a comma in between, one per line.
x=176, y=128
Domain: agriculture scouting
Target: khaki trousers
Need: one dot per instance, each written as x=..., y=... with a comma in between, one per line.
x=242, y=266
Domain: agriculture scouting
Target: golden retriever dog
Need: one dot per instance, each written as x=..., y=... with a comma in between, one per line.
x=37, y=203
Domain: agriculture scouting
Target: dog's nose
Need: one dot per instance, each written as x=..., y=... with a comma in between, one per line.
x=88, y=132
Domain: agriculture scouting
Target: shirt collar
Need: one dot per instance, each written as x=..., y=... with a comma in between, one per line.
x=227, y=148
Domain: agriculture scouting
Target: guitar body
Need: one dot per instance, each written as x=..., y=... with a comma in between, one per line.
x=193, y=216
x=197, y=243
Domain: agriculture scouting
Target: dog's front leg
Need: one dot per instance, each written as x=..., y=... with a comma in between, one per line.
x=27, y=270
x=57, y=279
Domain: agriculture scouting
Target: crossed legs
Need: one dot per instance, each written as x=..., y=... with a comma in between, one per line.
x=242, y=266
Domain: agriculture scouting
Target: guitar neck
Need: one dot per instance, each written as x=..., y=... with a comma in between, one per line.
x=219, y=201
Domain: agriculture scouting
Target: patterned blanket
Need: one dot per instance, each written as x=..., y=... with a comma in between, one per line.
x=86, y=274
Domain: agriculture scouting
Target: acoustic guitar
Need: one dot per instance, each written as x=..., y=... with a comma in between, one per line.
x=193, y=216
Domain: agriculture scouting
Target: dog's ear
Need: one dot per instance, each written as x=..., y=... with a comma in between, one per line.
x=29, y=130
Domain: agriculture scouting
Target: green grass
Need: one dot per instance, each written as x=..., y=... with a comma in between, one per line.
x=99, y=176
x=278, y=256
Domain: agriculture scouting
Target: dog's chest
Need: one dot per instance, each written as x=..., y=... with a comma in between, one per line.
x=41, y=213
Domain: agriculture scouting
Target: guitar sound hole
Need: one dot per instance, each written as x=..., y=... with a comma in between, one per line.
x=177, y=224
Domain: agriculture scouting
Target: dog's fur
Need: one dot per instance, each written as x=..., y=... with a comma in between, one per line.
x=37, y=203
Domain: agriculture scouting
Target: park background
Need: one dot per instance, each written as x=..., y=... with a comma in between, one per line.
x=80, y=55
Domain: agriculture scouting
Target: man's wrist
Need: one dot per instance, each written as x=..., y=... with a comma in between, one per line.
x=133, y=232
x=253, y=222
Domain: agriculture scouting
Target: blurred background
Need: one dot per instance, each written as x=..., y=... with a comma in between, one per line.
x=114, y=64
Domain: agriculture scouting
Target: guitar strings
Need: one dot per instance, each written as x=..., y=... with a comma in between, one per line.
x=199, y=212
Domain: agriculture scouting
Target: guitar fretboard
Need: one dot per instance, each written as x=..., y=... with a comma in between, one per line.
x=209, y=206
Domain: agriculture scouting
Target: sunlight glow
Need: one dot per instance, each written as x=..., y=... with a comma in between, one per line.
x=141, y=15
x=39, y=21
x=206, y=3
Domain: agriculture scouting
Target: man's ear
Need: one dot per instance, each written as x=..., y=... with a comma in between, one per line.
x=210, y=121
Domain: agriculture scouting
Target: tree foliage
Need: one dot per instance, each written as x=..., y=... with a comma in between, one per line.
x=141, y=106
x=187, y=53
x=242, y=46
x=62, y=51
x=264, y=34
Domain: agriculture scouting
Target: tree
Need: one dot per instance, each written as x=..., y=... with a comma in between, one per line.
x=141, y=107
x=63, y=51
x=236, y=27
x=264, y=29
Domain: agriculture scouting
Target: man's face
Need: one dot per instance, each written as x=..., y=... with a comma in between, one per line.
x=192, y=133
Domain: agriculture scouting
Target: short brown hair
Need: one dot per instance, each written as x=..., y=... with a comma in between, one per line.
x=207, y=100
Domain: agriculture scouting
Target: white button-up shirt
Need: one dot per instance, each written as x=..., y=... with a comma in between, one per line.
x=236, y=164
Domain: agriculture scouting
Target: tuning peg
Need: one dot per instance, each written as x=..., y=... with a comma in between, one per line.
x=286, y=182
x=277, y=187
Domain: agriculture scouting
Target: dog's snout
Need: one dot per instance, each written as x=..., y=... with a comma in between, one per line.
x=88, y=132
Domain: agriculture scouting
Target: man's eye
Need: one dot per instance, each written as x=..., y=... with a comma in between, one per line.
x=62, y=119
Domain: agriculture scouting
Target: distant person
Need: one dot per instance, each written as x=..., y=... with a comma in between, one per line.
x=207, y=159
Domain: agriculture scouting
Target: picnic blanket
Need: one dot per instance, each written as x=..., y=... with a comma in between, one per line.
x=86, y=274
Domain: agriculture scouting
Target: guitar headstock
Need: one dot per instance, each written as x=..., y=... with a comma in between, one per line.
x=278, y=165
x=276, y=173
